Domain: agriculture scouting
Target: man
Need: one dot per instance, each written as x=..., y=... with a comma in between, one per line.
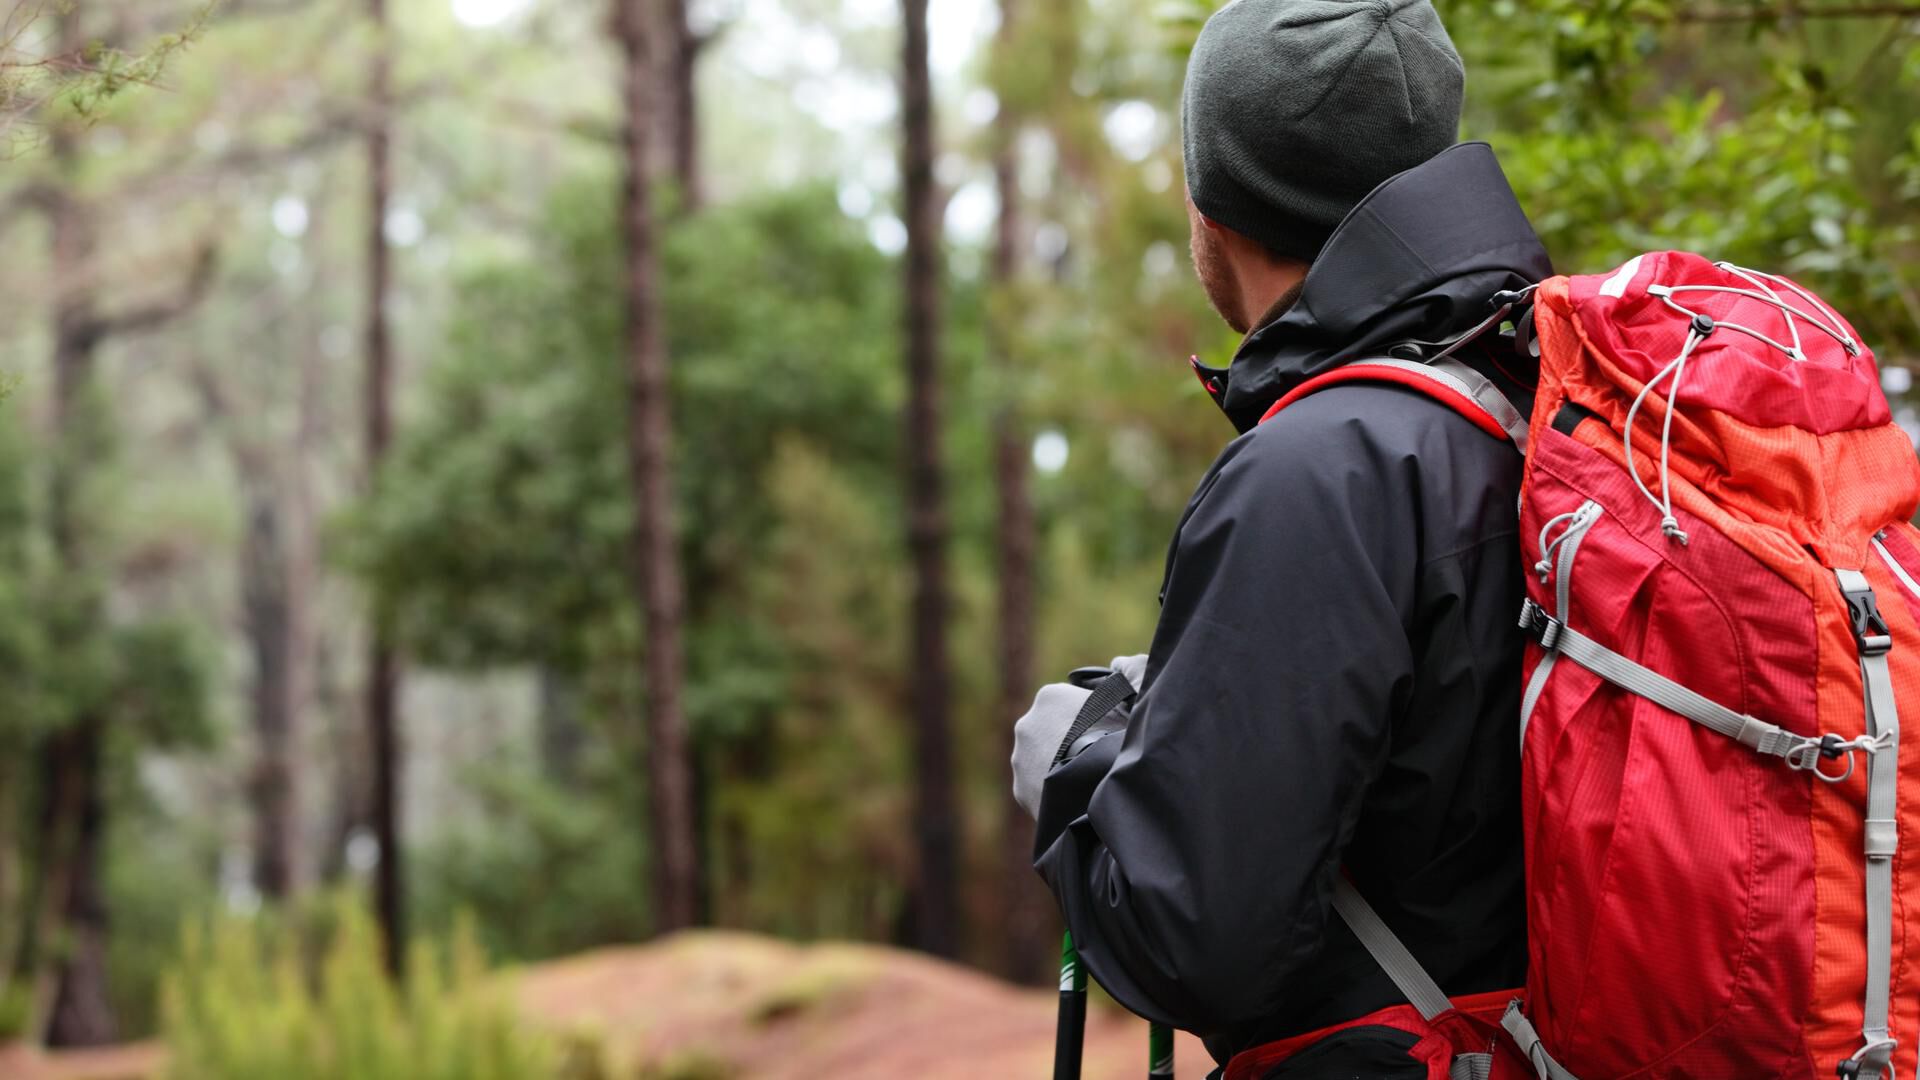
x=1334, y=682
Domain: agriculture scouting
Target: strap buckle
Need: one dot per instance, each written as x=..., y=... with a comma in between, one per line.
x=1543, y=628
x=1807, y=756
x=1880, y=1050
x=1870, y=631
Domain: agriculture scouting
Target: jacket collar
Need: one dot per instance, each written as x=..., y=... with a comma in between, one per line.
x=1417, y=258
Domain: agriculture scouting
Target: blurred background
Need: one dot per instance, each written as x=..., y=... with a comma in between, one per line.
x=487, y=484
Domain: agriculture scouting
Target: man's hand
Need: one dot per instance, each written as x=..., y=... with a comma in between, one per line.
x=1037, y=735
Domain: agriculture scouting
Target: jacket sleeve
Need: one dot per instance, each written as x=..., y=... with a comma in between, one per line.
x=1194, y=855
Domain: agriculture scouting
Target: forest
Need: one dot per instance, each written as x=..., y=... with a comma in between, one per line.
x=491, y=484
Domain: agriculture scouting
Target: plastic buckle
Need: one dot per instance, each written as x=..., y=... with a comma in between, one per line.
x=1529, y=611
x=1086, y=678
x=1543, y=628
x=1882, y=1050
x=1870, y=631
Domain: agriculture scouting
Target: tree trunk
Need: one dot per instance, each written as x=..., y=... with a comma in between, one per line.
x=12, y=814
x=935, y=903
x=82, y=1008
x=70, y=992
x=682, y=119
x=383, y=678
x=656, y=569
x=1027, y=910
x=267, y=608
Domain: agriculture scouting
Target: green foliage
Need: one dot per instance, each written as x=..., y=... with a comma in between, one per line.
x=503, y=527
x=688, y=1065
x=148, y=676
x=33, y=86
x=545, y=868
x=247, y=1003
x=157, y=869
x=1766, y=140
x=16, y=1011
x=501, y=533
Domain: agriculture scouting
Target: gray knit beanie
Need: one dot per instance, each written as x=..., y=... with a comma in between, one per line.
x=1295, y=109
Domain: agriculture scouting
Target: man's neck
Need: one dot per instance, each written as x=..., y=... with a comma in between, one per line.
x=1276, y=304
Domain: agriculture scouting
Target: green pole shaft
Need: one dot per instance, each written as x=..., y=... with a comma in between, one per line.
x=1159, y=1052
x=1070, y=1036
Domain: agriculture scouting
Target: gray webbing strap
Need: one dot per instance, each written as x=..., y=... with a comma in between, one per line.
x=1634, y=678
x=1388, y=951
x=1414, y=983
x=1569, y=547
x=1470, y=384
x=1488, y=396
x=1425, y=994
x=1882, y=831
x=1471, y=1067
x=1108, y=694
x=1523, y=1033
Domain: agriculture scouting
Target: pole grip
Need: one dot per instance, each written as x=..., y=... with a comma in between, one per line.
x=1071, y=1034
x=1159, y=1052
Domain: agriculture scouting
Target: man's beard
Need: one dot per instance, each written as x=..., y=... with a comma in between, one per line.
x=1218, y=279
x=1222, y=285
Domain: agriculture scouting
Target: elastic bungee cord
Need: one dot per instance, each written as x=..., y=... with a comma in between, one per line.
x=1700, y=327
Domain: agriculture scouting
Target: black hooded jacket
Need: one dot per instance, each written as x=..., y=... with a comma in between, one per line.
x=1335, y=676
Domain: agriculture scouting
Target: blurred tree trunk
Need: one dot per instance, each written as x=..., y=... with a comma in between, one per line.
x=383, y=672
x=681, y=122
x=65, y=949
x=267, y=614
x=275, y=568
x=12, y=805
x=1028, y=920
x=275, y=579
x=70, y=932
x=934, y=915
x=656, y=571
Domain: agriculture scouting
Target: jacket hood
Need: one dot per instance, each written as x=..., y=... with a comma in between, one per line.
x=1418, y=258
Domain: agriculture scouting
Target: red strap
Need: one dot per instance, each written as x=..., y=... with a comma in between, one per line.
x=1362, y=371
x=1472, y=1025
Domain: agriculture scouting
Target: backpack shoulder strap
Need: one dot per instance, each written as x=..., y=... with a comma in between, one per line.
x=1448, y=381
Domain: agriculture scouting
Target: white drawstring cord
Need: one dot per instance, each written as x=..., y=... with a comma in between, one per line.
x=1796, y=353
x=1666, y=292
x=1669, y=525
x=1838, y=329
x=1701, y=325
x=1545, y=566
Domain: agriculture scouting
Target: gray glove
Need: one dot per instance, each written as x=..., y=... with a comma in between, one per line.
x=1037, y=735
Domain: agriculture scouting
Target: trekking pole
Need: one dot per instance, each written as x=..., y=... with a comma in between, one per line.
x=1070, y=1036
x=1159, y=1052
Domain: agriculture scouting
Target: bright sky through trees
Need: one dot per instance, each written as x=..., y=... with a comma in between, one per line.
x=481, y=13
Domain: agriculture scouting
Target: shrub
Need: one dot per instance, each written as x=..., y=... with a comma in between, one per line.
x=251, y=1000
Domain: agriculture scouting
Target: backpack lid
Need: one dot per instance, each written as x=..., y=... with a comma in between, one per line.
x=1778, y=422
x=1625, y=316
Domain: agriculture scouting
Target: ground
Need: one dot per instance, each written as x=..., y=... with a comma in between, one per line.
x=752, y=1008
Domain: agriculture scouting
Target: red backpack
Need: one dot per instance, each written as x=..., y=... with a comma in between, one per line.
x=1722, y=611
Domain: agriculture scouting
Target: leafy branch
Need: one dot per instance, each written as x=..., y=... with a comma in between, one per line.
x=84, y=80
